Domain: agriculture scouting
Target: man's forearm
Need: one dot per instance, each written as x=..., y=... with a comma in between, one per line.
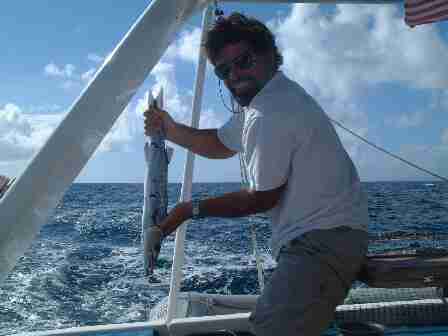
x=203, y=142
x=236, y=204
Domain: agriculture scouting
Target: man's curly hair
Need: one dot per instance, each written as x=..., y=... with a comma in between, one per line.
x=236, y=28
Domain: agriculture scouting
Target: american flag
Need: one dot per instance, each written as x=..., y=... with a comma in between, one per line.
x=417, y=12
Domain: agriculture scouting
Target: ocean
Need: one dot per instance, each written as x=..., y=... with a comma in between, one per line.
x=86, y=267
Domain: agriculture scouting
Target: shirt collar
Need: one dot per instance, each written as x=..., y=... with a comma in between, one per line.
x=271, y=86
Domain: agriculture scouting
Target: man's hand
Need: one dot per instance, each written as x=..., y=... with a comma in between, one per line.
x=152, y=245
x=155, y=234
x=158, y=120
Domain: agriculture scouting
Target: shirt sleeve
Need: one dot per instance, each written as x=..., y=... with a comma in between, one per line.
x=269, y=151
x=230, y=133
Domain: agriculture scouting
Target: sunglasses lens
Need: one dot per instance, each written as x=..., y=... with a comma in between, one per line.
x=244, y=62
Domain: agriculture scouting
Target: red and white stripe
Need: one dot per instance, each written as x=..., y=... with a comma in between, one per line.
x=418, y=12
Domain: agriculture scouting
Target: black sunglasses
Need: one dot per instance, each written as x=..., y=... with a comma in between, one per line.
x=243, y=62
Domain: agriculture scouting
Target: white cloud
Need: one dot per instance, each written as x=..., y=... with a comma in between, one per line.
x=95, y=58
x=350, y=116
x=12, y=118
x=69, y=76
x=70, y=84
x=65, y=74
x=337, y=56
x=22, y=134
x=130, y=122
x=210, y=119
x=176, y=103
x=88, y=75
x=129, y=127
x=46, y=108
x=53, y=70
x=186, y=47
x=120, y=136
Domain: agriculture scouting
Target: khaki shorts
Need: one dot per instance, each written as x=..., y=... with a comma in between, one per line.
x=313, y=276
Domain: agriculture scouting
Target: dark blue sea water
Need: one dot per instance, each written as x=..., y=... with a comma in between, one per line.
x=85, y=268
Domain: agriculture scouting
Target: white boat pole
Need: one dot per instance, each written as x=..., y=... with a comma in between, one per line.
x=179, y=252
x=26, y=206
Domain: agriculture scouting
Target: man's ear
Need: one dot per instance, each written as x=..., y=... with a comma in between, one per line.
x=269, y=59
x=272, y=61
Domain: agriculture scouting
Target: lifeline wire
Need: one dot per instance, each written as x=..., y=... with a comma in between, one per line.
x=245, y=182
x=389, y=153
x=219, y=13
x=362, y=139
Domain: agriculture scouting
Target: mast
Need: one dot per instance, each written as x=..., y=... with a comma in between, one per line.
x=179, y=248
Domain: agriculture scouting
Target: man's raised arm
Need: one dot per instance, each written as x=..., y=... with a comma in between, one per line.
x=204, y=142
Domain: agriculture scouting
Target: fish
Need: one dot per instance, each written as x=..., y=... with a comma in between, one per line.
x=155, y=204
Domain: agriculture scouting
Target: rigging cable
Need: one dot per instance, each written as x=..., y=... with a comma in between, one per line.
x=339, y=124
x=387, y=152
x=219, y=13
x=258, y=261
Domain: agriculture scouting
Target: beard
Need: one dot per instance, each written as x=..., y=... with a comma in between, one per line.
x=245, y=97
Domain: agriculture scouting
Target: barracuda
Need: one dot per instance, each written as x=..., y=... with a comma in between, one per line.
x=155, y=204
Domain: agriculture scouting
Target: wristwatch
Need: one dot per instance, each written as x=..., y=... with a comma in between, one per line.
x=196, y=213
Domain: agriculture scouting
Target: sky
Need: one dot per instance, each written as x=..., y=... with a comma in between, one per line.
x=367, y=69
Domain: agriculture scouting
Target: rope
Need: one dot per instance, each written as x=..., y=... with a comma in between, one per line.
x=245, y=183
x=219, y=13
x=257, y=258
x=230, y=109
x=389, y=153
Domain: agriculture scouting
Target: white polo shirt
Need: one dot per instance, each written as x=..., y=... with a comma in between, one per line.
x=285, y=136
